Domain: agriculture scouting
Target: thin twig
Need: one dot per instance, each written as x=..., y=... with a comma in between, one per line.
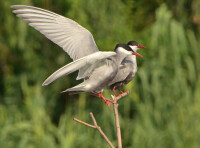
x=121, y=96
x=115, y=104
x=84, y=123
x=116, y=98
x=100, y=130
x=119, y=139
x=93, y=119
x=96, y=127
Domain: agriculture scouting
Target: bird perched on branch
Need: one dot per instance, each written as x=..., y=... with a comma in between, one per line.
x=127, y=69
x=96, y=68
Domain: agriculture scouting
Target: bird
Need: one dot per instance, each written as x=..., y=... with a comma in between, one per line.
x=99, y=72
x=127, y=69
x=95, y=67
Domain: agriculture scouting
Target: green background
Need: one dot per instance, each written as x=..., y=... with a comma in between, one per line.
x=163, y=107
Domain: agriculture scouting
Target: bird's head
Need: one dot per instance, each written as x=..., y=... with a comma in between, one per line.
x=134, y=47
x=123, y=49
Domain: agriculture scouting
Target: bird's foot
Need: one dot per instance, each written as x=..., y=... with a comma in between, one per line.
x=117, y=95
x=107, y=101
x=114, y=92
x=122, y=92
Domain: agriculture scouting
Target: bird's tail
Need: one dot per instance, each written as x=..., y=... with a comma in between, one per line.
x=76, y=89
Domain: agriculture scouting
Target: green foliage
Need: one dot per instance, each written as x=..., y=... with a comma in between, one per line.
x=170, y=84
x=162, y=109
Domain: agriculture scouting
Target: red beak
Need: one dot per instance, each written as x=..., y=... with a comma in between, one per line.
x=141, y=46
x=137, y=54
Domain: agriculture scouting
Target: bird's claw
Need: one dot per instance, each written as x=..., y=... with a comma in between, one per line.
x=107, y=101
x=121, y=92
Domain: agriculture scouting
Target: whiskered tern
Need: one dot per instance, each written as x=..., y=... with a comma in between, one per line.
x=127, y=69
x=96, y=68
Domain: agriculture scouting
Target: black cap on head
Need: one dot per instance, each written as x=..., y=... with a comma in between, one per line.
x=125, y=46
x=133, y=43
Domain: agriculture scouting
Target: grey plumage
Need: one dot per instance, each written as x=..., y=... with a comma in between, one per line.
x=127, y=68
x=72, y=37
x=126, y=72
x=77, y=41
x=97, y=69
x=101, y=75
x=104, y=71
x=88, y=63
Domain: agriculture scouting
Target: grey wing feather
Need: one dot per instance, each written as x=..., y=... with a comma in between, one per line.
x=121, y=75
x=127, y=70
x=73, y=38
x=78, y=64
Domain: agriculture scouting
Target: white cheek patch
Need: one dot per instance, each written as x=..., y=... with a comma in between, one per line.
x=124, y=51
x=134, y=48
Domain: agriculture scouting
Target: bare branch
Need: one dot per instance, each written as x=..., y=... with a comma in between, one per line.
x=96, y=127
x=84, y=123
x=116, y=98
x=119, y=139
x=93, y=118
x=115, y=104
x=100, y=130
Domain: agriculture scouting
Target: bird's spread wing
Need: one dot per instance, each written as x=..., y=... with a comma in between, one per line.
x=77, y=64
x=73, y=38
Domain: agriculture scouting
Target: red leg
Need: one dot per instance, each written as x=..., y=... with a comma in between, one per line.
x=122, y=91
x=96, y=93
x=100, y=95
x=114, y=91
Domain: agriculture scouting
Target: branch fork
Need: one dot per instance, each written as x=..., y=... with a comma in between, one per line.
x=116, y=114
